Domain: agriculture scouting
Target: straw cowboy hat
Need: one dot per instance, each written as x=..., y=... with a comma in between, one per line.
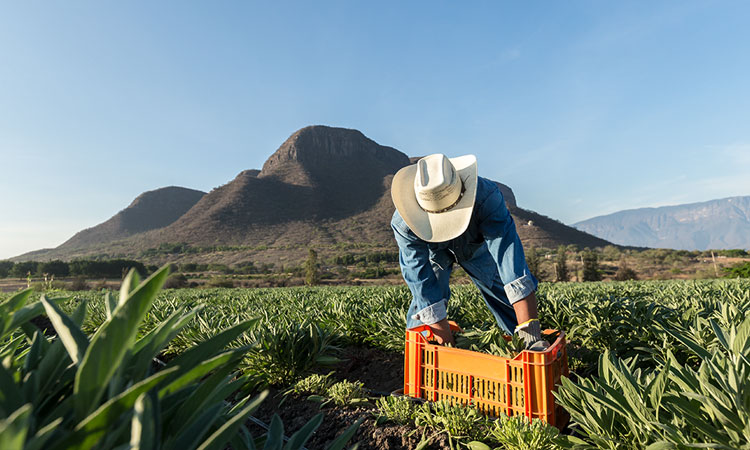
x=435, y=196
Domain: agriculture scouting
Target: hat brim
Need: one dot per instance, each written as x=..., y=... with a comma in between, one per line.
x=436, y=227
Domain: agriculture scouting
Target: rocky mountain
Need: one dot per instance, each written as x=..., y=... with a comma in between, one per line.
x=149, y=211
x=324, y=187
x=318, y=174
x=715, y=224
x=540, y=231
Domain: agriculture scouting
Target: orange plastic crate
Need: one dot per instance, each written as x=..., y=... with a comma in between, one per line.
x=493, y=384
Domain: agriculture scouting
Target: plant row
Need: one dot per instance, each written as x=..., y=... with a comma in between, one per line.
x=630, y=342
x=64, y=389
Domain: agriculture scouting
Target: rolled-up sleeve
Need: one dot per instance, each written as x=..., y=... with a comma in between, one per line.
x=414, y=258
x=499, y=231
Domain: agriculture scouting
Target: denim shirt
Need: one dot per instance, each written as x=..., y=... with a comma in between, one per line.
x=489, y=250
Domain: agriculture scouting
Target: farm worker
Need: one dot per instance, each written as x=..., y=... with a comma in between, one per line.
x=446, y=214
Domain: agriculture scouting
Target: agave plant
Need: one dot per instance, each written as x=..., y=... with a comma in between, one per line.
x=519, y=433
x=672, y=344
x=397, y=409
x=79, y=392
x=285, y=350
x=674, y=406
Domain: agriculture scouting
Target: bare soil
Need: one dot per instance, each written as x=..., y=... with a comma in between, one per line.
x=44, y=324
x=296, y=411
x=381, y=372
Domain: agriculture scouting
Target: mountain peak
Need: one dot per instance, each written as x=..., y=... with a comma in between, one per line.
x=316, y=140
x=323, y=186
x=316, y=152
x=158, y=197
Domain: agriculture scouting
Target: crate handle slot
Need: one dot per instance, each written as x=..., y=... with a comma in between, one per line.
x=427, y=333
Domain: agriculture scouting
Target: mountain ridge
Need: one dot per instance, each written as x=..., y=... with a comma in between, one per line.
x=151, y=210
x=714, y=224
x=323, y=186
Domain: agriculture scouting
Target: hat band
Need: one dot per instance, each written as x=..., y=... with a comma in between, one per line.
x=460, y=196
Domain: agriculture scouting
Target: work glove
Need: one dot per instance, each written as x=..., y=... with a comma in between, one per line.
x=531, y=333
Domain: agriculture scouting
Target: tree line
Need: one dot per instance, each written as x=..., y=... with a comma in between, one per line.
x=587, y=262
x=113, y=268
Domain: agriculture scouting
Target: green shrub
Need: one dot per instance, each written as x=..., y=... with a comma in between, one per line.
x=397, y=409
x=176, y=281
x=315, y=384
x=57, y=268
x=22, y=269
x=532, y=260
x=111, y=268
x=79, y=284
x=220, y=282
x=285, y=350
x=561, y=265
x=590, y=266
x=518, y=433
x=625, y=273
x=312, y=269
x=738, y=271
x=347, y=393
x=458, y=422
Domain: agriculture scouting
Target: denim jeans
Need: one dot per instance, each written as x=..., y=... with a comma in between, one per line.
x=494, y=297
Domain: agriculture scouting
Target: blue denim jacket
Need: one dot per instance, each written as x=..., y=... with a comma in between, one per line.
x=489, y=250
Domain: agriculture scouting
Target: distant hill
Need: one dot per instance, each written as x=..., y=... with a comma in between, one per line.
x=715, y=224
x=538, y=230
x=324, y=187
x=149, y=211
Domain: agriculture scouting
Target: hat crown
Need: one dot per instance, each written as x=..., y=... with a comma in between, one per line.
x=437, y=185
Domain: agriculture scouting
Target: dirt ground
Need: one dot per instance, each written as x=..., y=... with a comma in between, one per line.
x=378, y=370
x=381, y=372
x=296, y=411
x=15, y=284
x=12, y=285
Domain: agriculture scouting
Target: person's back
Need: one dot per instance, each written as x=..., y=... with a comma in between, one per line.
x=446, y=214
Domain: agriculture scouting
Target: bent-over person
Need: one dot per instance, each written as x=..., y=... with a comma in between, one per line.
x=445, y=215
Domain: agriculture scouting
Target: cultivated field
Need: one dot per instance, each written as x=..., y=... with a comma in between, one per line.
x=657, y=364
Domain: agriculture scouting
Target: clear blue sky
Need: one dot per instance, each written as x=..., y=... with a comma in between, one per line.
x=583, y=108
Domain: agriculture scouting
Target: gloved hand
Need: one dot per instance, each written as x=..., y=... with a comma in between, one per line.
x=442, y=332
x=531, y=333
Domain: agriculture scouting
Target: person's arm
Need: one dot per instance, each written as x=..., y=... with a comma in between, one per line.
x=499, y=231
x=421, y=280
x=526, y=308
